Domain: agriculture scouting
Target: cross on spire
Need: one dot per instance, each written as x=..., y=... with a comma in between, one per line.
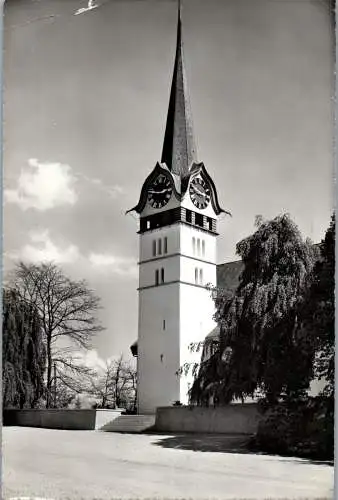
x=179, y=151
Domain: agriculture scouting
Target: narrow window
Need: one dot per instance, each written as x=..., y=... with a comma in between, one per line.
x=165, y=244
x=162, y=275
x=198, y=246
x=203, y=248
x=156, y=277
x=196, y=276
x=188, y=216
x=148, y=224
x=154, y=248
x=164, y=324
x=193, y=245
x=159, y=247
x=201, y=276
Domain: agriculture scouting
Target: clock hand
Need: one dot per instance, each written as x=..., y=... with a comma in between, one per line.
x=153, y=191
x=198, y=191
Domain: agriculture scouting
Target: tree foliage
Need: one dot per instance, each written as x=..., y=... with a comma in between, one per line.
x=300, y=428
x=319, y=310
x=23, y=353
x=67, y=310
x=261, y=346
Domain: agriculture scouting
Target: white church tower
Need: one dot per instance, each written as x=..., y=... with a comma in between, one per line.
x=178, y=209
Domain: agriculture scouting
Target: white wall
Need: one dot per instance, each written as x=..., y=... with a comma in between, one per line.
x=196, y=321
x=187, y=310
x=157, y=379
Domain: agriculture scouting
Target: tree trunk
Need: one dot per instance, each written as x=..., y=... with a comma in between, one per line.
x=49, y=374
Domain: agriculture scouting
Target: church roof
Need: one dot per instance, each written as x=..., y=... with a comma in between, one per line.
x=179, y=150
x=228, y=275
x=213, y=335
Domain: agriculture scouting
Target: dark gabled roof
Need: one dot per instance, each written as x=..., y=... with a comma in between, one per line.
x=179, y=150
x=213, y=335
x=228, y=275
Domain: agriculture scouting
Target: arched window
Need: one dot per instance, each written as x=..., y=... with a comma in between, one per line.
x=196, y=276
x=198, y=246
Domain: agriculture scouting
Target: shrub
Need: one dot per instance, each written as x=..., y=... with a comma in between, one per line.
x=303, y=429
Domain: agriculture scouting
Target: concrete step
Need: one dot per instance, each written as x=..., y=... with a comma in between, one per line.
x=130, y=424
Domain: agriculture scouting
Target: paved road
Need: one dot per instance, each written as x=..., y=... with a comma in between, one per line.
x=57, y=464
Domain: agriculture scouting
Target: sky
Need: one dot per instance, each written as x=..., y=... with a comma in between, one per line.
x=85, y=103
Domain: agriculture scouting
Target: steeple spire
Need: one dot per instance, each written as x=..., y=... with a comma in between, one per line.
x=179, y=149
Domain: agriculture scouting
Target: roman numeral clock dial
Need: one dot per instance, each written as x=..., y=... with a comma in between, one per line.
x=199, y=193
x=160, y=191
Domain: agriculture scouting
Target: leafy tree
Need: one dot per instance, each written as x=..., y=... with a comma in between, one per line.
x=23, y=353
x=319, y=309
x=67, y=310
x=261, y=346
x=305, y=427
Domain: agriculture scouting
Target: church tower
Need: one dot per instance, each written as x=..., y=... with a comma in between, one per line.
x=178, y=209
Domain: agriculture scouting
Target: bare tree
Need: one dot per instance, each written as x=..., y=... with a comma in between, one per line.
x=67, y=310
x=115, y=385
x=70, y=378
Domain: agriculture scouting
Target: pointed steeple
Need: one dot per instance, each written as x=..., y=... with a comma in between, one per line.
x=179, y=149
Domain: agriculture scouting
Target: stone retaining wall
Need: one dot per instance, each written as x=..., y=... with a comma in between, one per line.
x=230, y=419
x=51, y=418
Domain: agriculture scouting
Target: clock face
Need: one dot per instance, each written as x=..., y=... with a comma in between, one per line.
x=199, y=193
x=160, y=191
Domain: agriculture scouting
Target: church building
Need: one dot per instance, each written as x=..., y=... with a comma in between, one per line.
x=178, y=210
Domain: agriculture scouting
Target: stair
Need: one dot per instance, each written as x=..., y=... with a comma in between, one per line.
x=103, y=417
x=130, y=424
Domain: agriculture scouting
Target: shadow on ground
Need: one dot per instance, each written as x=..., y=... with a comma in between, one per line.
x=222, y=443
x=207, y=442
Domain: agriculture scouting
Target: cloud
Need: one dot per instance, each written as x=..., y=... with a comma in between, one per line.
x=43, y=186
x=116, y=265
x=112, y=191
x=92, y=360
x=42, y=249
